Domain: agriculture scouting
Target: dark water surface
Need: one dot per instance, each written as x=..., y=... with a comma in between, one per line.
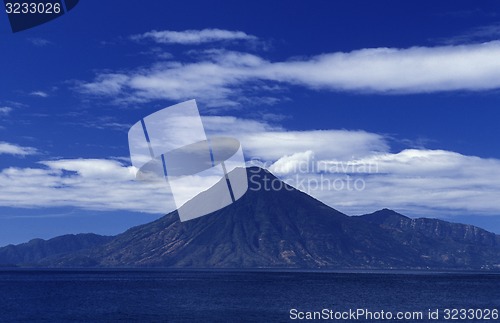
x=215, y=296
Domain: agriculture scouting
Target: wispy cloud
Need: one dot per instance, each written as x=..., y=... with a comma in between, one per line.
x=4, y=111
x=16, y=150
x=226, y=78
x=40, y=94
x=193, y=37
x=40, y=42
x=479, y=34
x=85, y=119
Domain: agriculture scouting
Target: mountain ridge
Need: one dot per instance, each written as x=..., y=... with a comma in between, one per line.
x=37, y=249
x=286, y=228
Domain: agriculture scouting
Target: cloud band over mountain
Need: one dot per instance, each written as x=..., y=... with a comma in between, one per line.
x=415, y=180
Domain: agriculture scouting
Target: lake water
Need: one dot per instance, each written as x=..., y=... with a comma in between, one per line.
x=204, y=296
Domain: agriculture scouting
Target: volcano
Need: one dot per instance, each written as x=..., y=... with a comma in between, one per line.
x=276, y=226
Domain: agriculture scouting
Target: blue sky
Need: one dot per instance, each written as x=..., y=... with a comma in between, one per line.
x=407, y=87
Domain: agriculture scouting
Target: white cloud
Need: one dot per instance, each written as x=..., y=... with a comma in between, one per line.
x=339, y=143
x=16, y=150
x=40, y=94
x=412, y=70
x=4, y=111
x=290, y=163
x=95, y=184
x=40, y=42
x=268, y=142
x=213, y=81
x=227, y=125
x=106, y=84
x=192, y=37
x=224, y=78
x=92, y=184
x=415, y=181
